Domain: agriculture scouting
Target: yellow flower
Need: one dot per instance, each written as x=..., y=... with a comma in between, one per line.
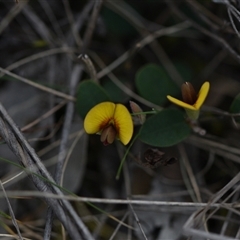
x=111, y=121
x=191, y=101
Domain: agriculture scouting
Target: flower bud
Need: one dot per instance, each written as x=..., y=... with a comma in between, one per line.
x=136, y=109
x=188, y=93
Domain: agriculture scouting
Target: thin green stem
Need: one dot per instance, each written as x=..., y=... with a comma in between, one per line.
x=148, y=112
x=125, y=155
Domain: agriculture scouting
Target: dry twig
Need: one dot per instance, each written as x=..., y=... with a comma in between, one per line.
x=33, y=165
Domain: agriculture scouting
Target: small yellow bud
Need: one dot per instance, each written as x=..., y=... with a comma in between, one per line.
x=192, y=102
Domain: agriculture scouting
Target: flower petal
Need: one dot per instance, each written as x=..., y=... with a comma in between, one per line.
x=181, y=103
x=123, y=123
x=202, y=95
x=98, y=117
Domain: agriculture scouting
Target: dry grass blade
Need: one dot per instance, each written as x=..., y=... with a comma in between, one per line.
x=119, y=225
x=91, y=24
x=69, y=153
x=39, y=86
x=145, y=41
x=39, y=25
x=14, y=221
x=77, y=71
x=16, y=9
x=191, y=206
x=190, y=172
x=138, y=222
x=50, y=14
x=40, y=55
x=192, y=226
x=123, y=87
x=220, y=40
x=72, y=24
x=12, y=237
x=91, y=69
x=44, y=116
x=28, y=158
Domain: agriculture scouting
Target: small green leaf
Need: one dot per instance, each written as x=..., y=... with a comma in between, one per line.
x=235, y=106
x=89, y=94
x=114, y=92
x=154, y=84
x=164, y=129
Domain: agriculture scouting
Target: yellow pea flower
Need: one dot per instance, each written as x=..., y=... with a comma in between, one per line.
x=111, y=121
x=192, y=102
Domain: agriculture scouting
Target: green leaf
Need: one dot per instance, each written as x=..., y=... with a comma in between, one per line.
x=154, y=84
x=114, y=92
x=164, y=129
x=89, y=94
x=235, y=106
